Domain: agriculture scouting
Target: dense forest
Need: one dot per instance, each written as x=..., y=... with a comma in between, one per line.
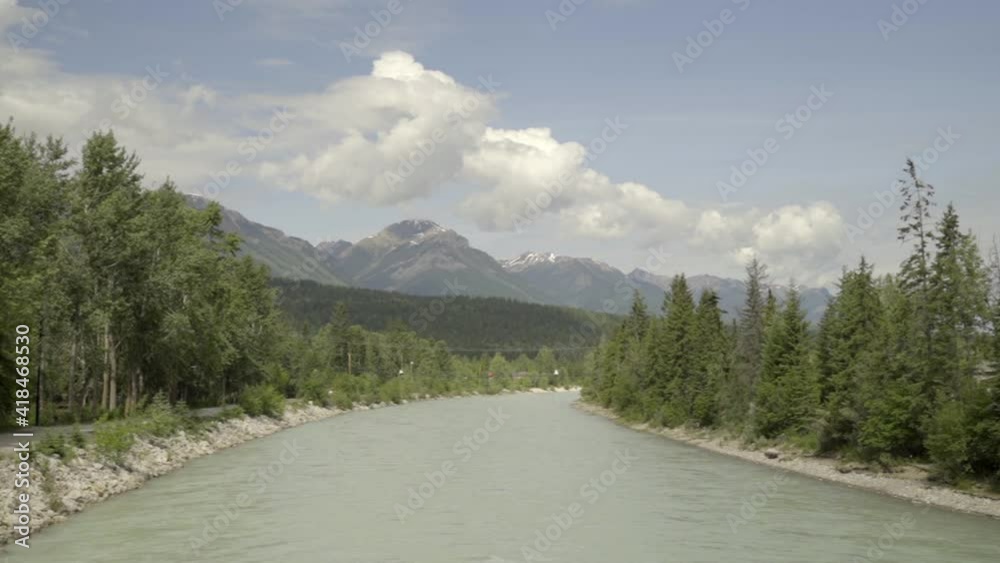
x=470, y=325
x=128, y=293
x=902, y=366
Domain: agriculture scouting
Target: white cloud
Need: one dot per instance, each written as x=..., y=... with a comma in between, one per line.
x=794, y=228
x=397, y=134
x=11, y=13
x=527, y=173
x=393, y=136
x=801, y=242
x=175, y=124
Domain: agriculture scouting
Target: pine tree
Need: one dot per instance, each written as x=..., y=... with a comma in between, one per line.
x=847, y=335
x=637, y=322
x=675, y=350
x=915, y=272
x=889, y=401
x=958, y=292
x=771, y=309
x=749, y=347
x=787, y=394
x=711, y=345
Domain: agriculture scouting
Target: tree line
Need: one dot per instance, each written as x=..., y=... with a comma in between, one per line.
x=129, y=292
x=902, y=366
x=467, y=323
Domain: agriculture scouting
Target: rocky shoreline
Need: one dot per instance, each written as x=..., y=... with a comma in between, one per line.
x=61, y=489
x=908, y=485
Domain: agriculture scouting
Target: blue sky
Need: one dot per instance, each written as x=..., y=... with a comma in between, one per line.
x=892, y=93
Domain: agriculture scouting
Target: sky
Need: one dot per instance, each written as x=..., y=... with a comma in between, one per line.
x=703, y=131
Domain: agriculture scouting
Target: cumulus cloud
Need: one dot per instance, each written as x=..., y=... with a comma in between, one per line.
x=160, y=112
x=527, y=173
x=801, y=242
x=404, y=131
x=399, y=133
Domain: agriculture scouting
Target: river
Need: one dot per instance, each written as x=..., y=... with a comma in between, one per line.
x=491, y=479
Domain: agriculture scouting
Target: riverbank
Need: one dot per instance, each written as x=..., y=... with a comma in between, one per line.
x=910, y=484
x=63, y=488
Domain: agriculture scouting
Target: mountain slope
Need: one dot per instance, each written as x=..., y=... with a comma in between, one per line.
x=286, y=256
x=580, y=282
x=423, y=258
x=420, y=257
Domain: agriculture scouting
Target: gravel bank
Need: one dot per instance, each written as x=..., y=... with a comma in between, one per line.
x=60, y=489
x=911, y=485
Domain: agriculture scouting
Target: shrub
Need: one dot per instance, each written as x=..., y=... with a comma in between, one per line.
x=114, y=439
x=160, y=419
x=263, y=400
x=342, y=402
x=53, y=443
x=316, y=388
x=77, y=438
x=391, y=391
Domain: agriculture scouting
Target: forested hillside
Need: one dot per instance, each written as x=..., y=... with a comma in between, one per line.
x=123, y=292
x=470, y=325
x=902, y=366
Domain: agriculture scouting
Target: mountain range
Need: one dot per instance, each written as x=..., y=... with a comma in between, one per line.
x=420, y=257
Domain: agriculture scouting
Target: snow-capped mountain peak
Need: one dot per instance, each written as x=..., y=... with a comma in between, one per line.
x=530, y=259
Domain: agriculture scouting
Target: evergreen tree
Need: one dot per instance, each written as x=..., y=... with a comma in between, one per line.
x=675, y=351
x=788, y=394
x=888, y=399
x=712, y=360
x=749, y=346
x=847, y=337
x=915, y=272
x=959, y=301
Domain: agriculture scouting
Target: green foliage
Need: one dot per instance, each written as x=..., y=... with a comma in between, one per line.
x=56, y=443
x=113, y=439
x=76, y=437
x=948, y=439
x=262, y=400
x=468, y=324
x=391, y=391
x=318, y=388
x=159, y=418
x=902, y=367
x=787, y=395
